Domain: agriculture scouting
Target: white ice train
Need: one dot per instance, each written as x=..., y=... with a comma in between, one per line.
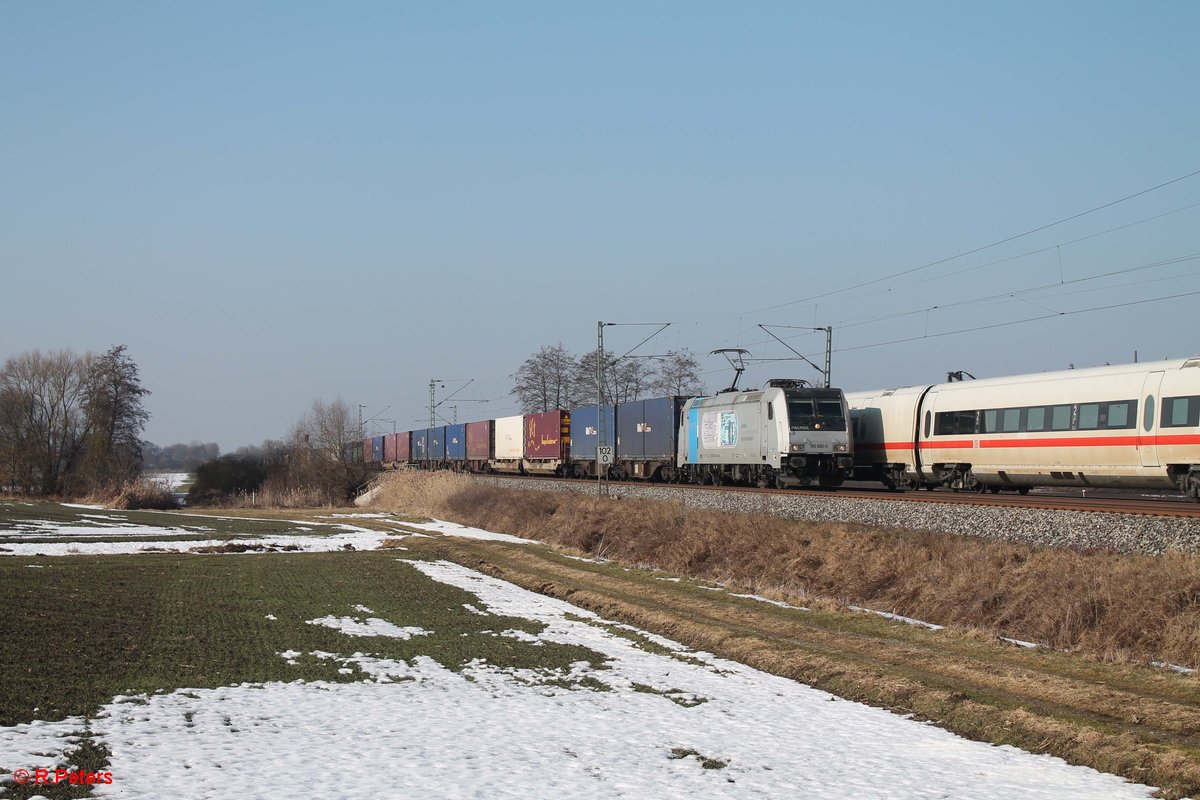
x=1132, y=426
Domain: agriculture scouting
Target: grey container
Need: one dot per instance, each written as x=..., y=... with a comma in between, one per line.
x=648, y=429
x=585, y=431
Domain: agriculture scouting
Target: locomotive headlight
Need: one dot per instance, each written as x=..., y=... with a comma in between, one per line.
x=816, y=426
x=839, y=448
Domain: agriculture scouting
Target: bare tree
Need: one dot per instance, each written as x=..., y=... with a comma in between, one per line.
x=631, y=377
x=115, y=420
x=316, y=455
x=44, y=417
x=625, y=379
x=679, y=374
x=546, y=380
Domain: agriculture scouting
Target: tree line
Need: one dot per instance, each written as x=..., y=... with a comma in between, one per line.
x=70, y=424
x=309, y=467
x=178, y=457
x=554, y=378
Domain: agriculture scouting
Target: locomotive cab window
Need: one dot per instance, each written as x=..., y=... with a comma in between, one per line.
x=807, y=410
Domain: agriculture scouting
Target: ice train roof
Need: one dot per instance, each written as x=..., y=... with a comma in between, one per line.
x=1065, y=374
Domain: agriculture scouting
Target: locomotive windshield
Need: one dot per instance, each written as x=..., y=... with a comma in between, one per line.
x=809, y=409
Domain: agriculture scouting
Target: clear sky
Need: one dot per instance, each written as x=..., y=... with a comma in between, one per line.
x=276, y=202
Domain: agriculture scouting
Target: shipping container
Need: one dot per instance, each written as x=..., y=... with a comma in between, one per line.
x=389, y=448
x=376, y=449
x=365, y=451
x=585, y=431
x=510, y=438
x=456, y=442
x=404, y=447
x=420, y=445
x=481, y=440
x=648, y=429
x=547, y=436
x=437, y=443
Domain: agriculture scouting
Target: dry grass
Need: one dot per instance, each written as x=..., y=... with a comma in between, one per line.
x=140, y=493
x=1119, y=607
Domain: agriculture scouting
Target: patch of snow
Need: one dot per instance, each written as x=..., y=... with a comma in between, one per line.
x=272, y=617
x=1173, y=667
x=452, y=529
x=1020, y=643
x=762, y=599
x=906, y=620
x=371, y=626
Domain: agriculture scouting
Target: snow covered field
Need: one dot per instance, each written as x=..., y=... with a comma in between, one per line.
x=664, y=722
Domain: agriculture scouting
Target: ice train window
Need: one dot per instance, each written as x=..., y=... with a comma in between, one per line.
x=1060, y=418
x=1148, y=413
x=1089, y=416
x=1036, y=419
x=989, y=421
x=956, y=422
x=1121, y=414
x=1180, y=412
x=1011, y=420
x=928, y=415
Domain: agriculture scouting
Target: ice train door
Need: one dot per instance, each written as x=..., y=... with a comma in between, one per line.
x=1148, y=431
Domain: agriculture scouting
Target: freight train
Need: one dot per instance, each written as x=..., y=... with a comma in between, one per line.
x=1129, y=426
x=785, y=434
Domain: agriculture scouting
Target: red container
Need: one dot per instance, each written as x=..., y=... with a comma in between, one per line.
x=548, y=435
x=389, y=447
x=480, y=441
x=403, y=446
x=367, y=448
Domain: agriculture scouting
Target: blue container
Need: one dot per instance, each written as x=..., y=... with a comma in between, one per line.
x=648, y=429
x=456, y=442
x=420, y=445
x=437, y=443
x=585, y=431
x=376, y=448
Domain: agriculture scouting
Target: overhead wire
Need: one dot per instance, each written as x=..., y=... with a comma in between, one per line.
x=972, y=251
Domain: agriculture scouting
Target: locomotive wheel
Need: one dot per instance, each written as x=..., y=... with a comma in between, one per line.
x=1024, y=490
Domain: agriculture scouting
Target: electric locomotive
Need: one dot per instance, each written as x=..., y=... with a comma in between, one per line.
x=785, y=434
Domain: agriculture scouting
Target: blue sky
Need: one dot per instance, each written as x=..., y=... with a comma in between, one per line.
x=276, y=202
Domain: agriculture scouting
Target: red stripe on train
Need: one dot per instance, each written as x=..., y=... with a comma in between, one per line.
x=1058, y=441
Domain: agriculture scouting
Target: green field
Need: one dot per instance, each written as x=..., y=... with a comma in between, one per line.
x=81, y=630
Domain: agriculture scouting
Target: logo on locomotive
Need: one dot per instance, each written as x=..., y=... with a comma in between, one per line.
x=719, y=429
